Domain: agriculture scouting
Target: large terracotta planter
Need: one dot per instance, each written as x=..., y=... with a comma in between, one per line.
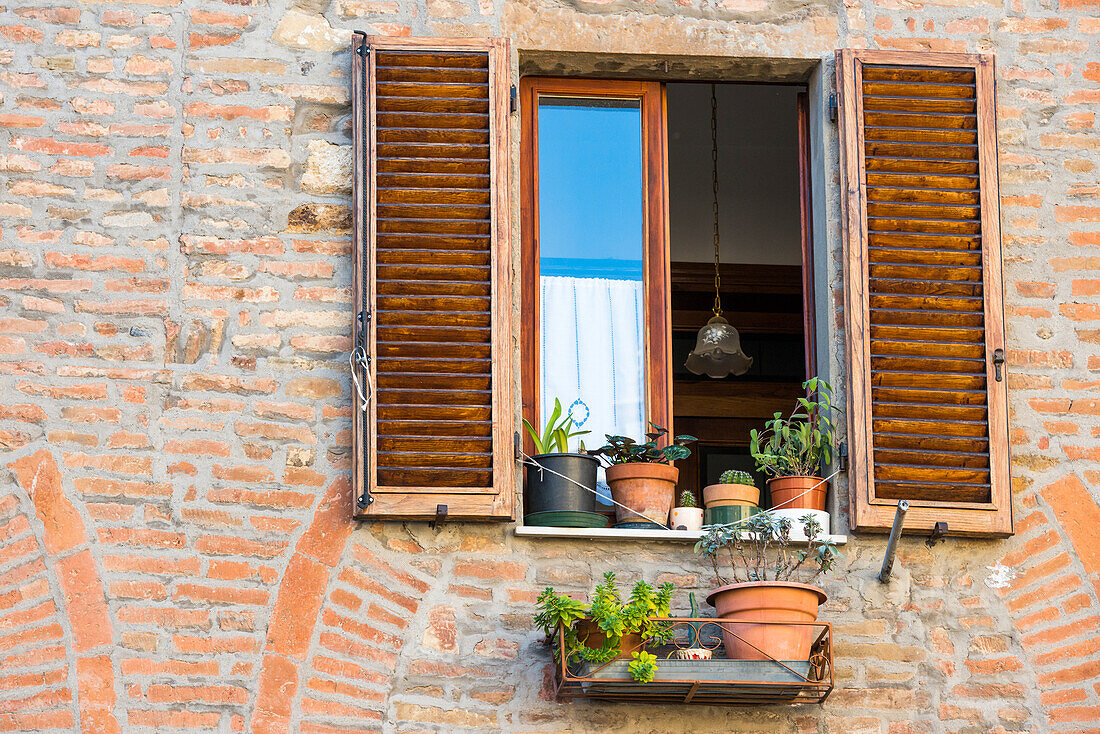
x=784, y=490
x=647, y=489
x=767, y=601
x=592, y=636
x=723, y=495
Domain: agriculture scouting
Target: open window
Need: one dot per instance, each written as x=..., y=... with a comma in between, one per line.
x=618, y=213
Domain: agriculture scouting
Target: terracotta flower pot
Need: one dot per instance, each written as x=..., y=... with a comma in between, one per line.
x=690, y=518
x=784, y=490
x=647, y=489
x=767, y=601
x=723, y=495
x=592, y=636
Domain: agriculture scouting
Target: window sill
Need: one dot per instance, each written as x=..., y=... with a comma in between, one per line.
x=675, y=536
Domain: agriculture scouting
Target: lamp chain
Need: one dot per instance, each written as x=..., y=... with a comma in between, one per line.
x=714, y=181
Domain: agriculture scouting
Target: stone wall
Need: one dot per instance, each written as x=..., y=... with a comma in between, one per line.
x=175, y=545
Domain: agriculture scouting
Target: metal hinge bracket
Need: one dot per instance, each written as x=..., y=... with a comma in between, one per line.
x=834, y=113
x=939, y=534
x=998, y=364
x=513, y=100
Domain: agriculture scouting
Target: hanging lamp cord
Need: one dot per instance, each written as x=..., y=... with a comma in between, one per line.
x=714, y=182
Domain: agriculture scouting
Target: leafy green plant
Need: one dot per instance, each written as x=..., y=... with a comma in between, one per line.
x=798, y=444
x=612, y=617
x=745, y=549
x=625, y=450
x=643, y=668
x=556, y=434
x=687, y=499
x=736, y=476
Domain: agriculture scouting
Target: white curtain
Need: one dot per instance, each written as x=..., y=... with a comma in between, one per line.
x=593, y=354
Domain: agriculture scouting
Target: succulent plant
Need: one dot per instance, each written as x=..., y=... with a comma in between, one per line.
x=736, y=476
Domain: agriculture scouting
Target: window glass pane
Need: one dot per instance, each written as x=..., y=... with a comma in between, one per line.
x=591, y=248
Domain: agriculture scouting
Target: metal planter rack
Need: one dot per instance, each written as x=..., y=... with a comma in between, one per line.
x=715, y=682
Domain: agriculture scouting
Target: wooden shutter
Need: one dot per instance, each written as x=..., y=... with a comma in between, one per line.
x=433, y=277
x=927, y=415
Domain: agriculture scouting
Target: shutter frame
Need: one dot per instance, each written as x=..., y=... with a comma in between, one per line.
x=868, y=511
x=496, y=500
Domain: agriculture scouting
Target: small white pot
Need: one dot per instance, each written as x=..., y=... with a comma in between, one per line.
x=795, y=516
x=690, y=518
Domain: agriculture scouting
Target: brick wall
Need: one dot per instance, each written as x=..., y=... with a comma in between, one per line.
x=175, y=548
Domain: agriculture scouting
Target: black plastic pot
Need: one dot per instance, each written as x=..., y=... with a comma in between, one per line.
x=548, y=492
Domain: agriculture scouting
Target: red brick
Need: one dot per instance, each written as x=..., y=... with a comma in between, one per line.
x=96, y=694
x=278, y=683
x=1079, y=516
x=84, y=601
x=39, y=476
x=235, y=546
x=326, y=535
x=162, y=693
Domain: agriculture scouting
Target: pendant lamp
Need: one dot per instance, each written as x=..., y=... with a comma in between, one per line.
x=717, y=350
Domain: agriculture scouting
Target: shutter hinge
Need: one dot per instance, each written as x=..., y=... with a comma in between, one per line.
x=518, y=444
x=938, y=535
x=842, y=457
x=513, y=103
x=440, y=517
x=998, y=364
x=833, y=112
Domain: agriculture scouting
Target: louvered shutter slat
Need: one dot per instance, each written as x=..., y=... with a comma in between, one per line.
x=927, y=421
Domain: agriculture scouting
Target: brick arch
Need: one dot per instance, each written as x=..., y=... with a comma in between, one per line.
x=297, y=608
x=65, y=544
x=1053, y=598
x=335, y=634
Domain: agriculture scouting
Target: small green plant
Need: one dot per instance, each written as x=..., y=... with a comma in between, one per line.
x=736, y=476
x=555, y=436
x=612, y=617
x=643, y=668
x=799, y=444
x=625, y=450
x=687, y=499
x=745, y=549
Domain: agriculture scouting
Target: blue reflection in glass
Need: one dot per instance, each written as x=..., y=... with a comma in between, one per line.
x=590, y=187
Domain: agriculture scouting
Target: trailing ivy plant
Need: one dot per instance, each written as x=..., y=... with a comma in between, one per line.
x=613, y=617
x=625, y=450
x=555, y=436
x=758, y=549
x=799, y=444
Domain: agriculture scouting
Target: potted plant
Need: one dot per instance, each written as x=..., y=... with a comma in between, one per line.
x=688, y=515
x=608, y=628
x=760, y=585
x=734, y=498
x=791, y=450
x=641, y=475
x=734, y=487
x=560, y=481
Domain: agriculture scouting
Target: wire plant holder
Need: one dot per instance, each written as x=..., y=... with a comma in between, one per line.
x=718, y=681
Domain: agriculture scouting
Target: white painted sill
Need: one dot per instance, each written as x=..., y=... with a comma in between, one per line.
x=672, y=536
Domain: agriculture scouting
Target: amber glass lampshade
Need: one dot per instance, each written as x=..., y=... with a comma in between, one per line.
x=717, y=351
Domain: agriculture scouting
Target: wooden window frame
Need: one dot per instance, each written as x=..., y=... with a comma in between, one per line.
x=496, y=502
x=869, y=512
x=658, y=326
